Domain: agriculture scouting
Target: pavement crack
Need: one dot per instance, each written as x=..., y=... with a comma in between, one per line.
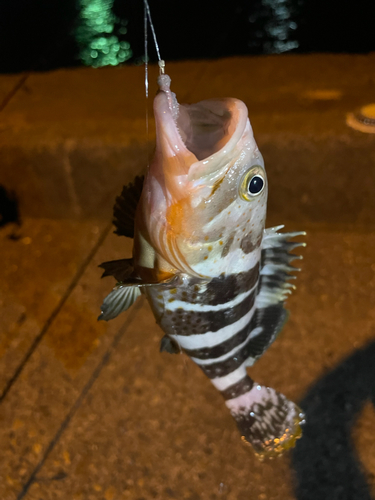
x=14, y=90
x=73, y=410
x=55, y=312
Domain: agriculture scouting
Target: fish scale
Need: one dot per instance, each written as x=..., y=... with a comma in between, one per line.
x=216, y=280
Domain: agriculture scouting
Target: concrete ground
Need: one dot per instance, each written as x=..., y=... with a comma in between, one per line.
x=91, y=410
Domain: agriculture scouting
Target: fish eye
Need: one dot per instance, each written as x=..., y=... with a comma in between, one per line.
x=256, y=185
x=252, y=183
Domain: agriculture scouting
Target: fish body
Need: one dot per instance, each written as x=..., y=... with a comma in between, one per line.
x=215, y=278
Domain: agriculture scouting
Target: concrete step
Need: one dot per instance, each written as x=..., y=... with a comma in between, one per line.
x=71, y=138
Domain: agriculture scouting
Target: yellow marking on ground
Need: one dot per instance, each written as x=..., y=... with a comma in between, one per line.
x=323, y=94
x=368, y=111
x=363, y=120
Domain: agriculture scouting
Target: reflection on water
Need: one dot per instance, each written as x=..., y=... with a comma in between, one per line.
x=43, y=35
x=96, y=35
x=265, y=26
x=273, y=25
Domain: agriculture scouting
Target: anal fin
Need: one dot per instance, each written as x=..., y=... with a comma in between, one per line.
x=167, y=344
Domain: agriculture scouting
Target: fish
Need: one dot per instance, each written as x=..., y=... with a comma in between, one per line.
x=216, y=279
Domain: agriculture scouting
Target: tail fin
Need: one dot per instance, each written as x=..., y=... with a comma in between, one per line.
x=267, y=420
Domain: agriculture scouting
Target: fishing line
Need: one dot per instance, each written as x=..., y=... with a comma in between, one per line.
x=148, y=15
x=147, y=18
x=146, y=79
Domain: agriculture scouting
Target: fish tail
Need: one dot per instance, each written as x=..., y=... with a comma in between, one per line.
x=267, y=420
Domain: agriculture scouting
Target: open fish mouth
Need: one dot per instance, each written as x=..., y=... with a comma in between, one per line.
x=205, y=127
x=200, y=134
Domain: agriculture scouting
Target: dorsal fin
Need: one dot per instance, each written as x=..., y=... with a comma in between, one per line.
x=270, y=315
x=125, y=207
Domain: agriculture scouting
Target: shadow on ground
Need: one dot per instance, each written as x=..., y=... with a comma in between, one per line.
x=325, y=461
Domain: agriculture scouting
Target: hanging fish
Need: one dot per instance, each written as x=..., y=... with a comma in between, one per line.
x=215, y=278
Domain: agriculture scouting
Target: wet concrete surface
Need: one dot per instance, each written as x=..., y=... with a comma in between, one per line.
x=94, y=411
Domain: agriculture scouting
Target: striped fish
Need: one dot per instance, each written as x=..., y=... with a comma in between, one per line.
x=215, y=278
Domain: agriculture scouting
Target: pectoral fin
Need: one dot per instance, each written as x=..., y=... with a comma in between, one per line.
x=118, y=301
x=126, y=293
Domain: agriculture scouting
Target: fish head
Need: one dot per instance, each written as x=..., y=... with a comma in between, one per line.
x=203, y=205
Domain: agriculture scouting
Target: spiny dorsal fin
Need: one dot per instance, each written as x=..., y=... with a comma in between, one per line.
x=125, y=207
x=270, y=315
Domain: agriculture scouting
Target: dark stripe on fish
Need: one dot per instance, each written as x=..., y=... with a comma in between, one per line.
x=222, y=368
x=219, y=290
x=183, y=322
x=241, y=387
x=271, y=320
x=226, y=346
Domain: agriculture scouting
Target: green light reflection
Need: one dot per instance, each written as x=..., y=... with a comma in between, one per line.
x=99, y=45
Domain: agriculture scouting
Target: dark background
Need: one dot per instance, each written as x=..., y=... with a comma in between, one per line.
x=44, y=34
